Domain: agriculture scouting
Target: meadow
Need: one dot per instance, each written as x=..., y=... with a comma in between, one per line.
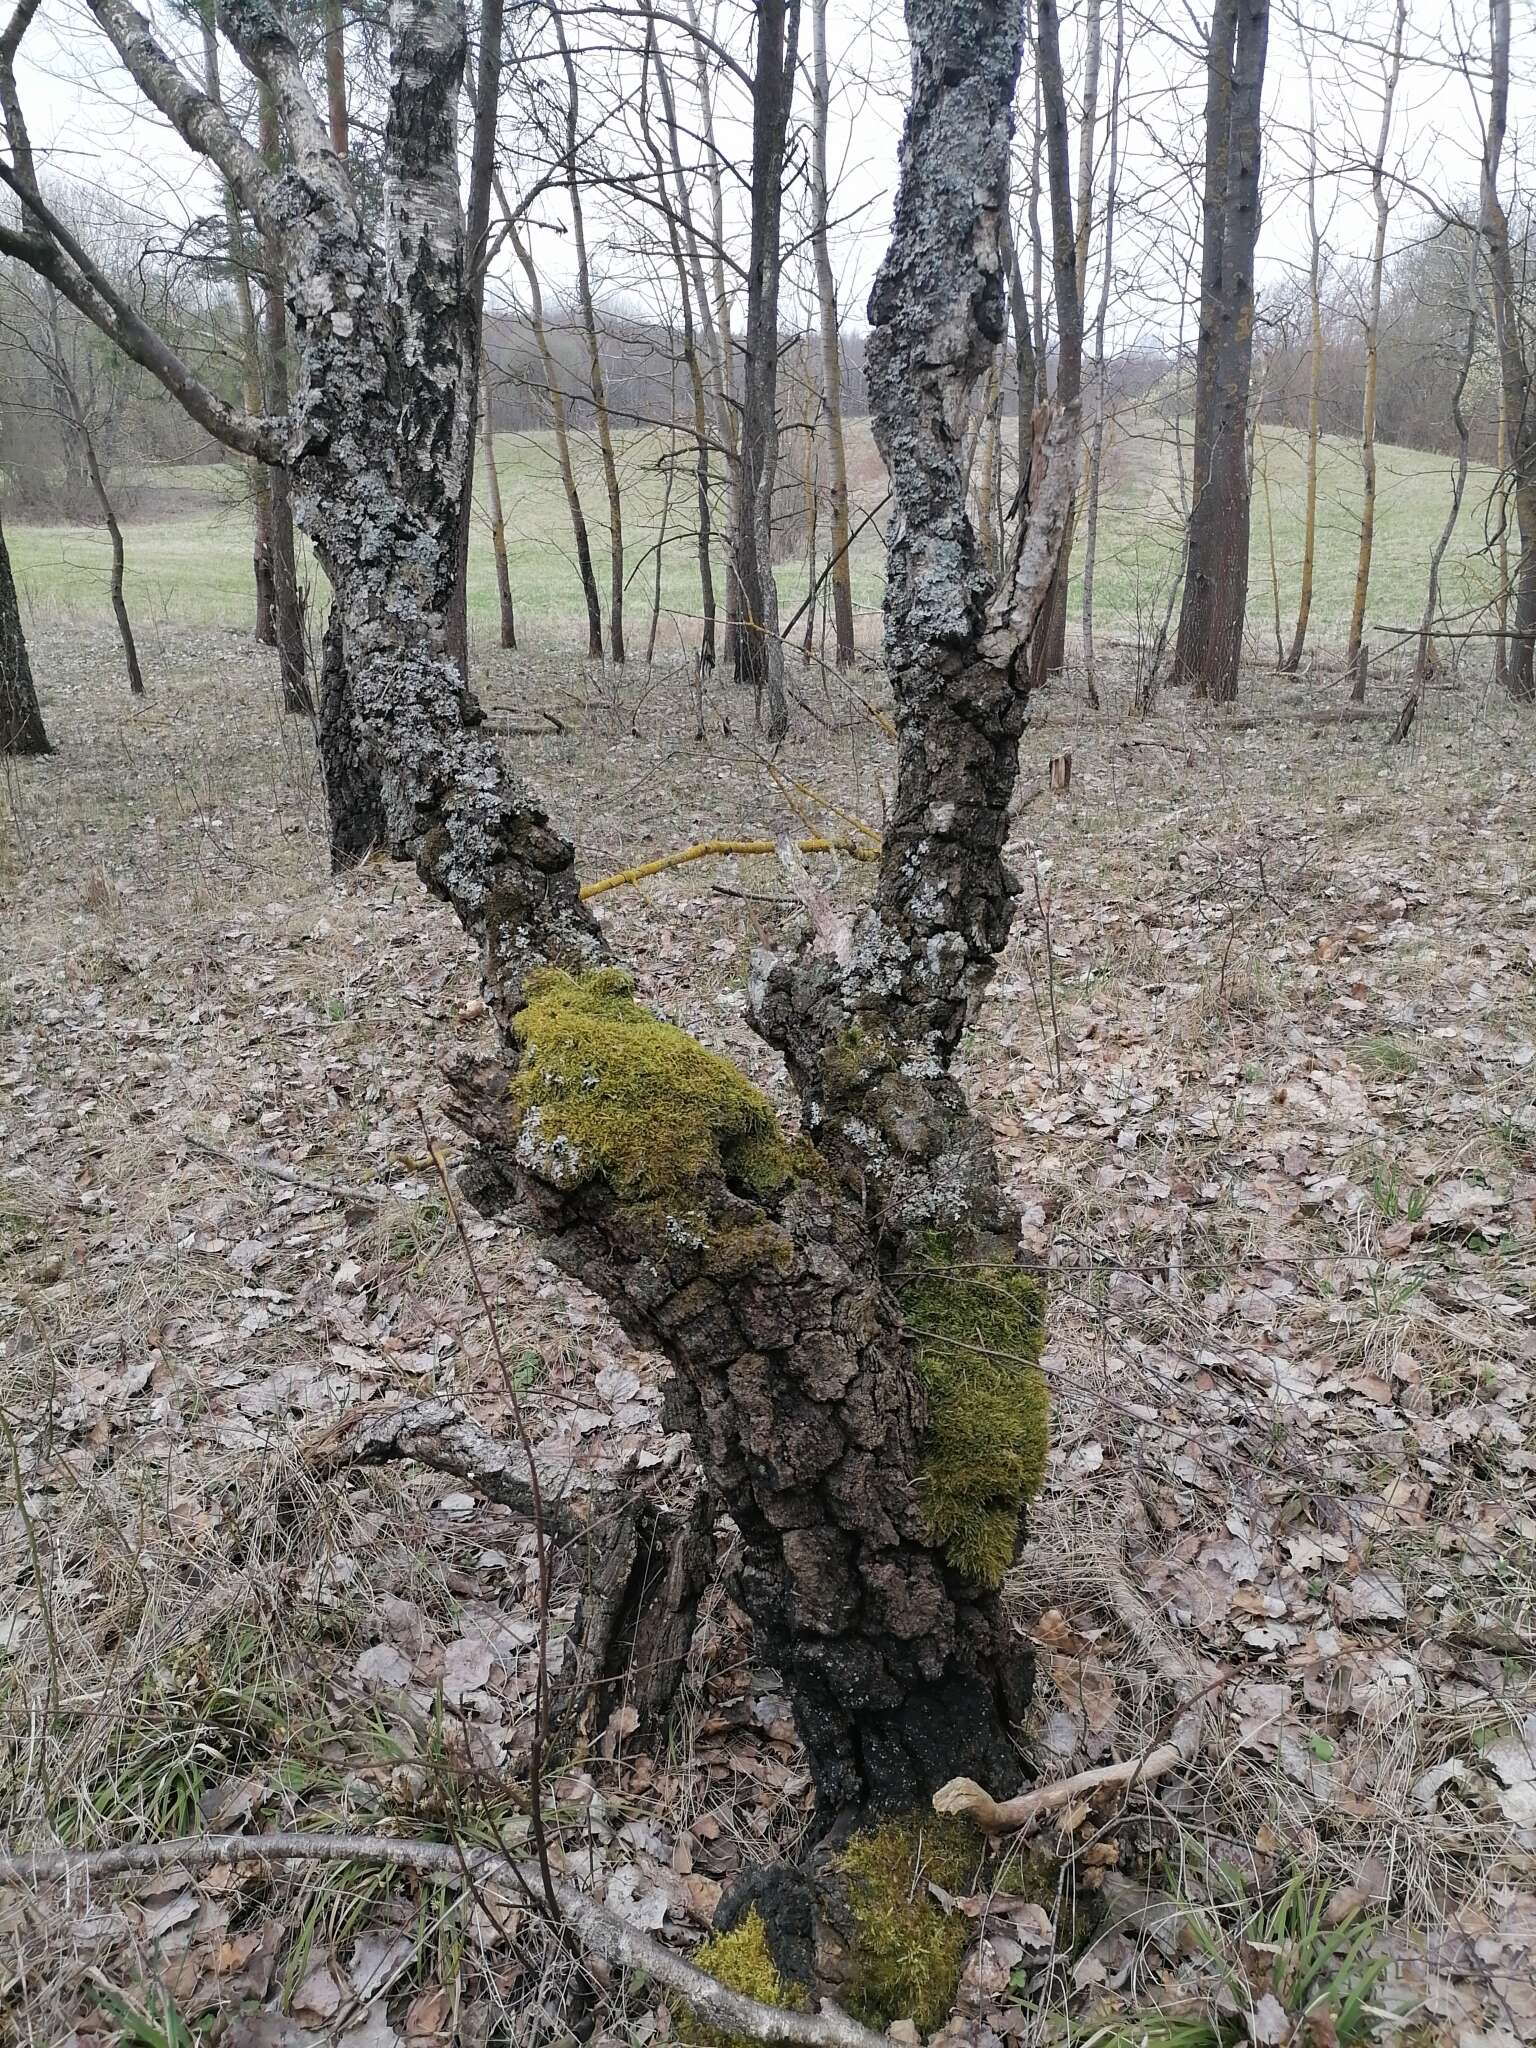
x=188, y=561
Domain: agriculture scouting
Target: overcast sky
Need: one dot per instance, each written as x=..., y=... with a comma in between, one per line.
x=89, y=125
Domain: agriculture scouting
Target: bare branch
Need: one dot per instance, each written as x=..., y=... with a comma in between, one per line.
x=57, y=256
x=257, y=32
x=602, y=1933
x=200, y=121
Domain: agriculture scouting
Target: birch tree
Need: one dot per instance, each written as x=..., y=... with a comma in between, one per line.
x=853, y=1334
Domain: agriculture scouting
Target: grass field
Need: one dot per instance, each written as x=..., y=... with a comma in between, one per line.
x=189, y=561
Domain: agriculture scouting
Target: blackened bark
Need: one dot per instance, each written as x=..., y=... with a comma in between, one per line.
x=758, y=650
x=1210, y=641
x=354, y=807
x=21, y=718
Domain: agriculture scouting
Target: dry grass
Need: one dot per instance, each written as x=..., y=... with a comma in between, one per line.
x=1284, y=1178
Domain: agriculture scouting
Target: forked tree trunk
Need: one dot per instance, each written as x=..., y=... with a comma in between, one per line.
x=853, y=1337
x=21, y=718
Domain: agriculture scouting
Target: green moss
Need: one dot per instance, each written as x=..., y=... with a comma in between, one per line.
x=742, y=1961
x=979, y=1333
x=908, y=1948
x=609, y=1092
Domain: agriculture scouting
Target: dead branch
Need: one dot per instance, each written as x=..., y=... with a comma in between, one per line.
x=714, y=849
x=602, y=1933
x=340, y=1192
x=1191, y=1678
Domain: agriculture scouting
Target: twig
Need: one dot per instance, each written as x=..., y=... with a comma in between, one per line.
x=540, y=1739
x=712, y=849
x=602, y=1933
x=252, y=1162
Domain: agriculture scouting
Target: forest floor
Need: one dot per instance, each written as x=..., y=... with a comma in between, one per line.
x=1261, y=1060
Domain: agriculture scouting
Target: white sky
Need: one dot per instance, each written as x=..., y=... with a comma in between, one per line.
x=88, y=125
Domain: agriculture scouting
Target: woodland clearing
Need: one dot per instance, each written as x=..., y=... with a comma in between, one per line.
x=1261, y=1062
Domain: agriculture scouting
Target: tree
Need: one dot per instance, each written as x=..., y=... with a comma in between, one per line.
x=1049, y=647
x=759, y=652
x=1514, y=370
x=853, y=1335
x=1292, y=661
x=69, y=394
x=21, y=718
x=1392, y=71
x=1210, y=637
x=831, y=352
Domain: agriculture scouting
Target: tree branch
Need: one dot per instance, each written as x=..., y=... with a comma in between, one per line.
x=92, y=293
x=257, y=32
x=200, y=121
x=602, y=1933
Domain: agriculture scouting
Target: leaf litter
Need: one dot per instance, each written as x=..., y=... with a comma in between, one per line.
x=1274, y=1138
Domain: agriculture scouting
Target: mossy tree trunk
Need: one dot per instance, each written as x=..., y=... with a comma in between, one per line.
x=853, y=1341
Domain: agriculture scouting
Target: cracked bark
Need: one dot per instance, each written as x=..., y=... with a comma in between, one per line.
x=793, y=1368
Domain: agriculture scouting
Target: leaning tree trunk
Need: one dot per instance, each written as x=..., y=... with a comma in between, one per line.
x=21, y=718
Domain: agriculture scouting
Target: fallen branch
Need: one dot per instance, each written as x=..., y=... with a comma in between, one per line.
x=716, y=849
x=1192, y=1678
x=644, y=1561
x=965, y=1797
x=602, y=1933
x=340, y=1192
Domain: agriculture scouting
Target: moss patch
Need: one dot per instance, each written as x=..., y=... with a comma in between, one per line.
x=609, y=1092
x=979, y=1331
x=742, y=1961
x=907, y=1947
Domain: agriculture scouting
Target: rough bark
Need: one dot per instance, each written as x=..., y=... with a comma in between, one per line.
x=759, y=651
x=21, y=718
x=354, y=807
x=1209, y=647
